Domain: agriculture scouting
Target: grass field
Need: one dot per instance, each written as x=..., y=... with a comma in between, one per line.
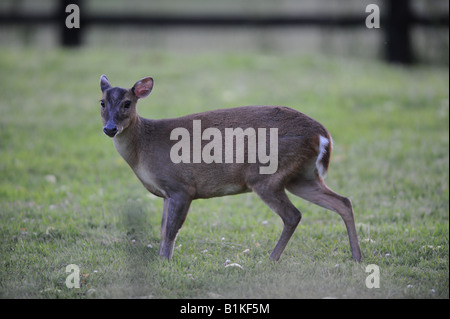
x=66, y=196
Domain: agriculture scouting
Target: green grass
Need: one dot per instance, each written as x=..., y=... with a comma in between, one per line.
x=66, y=196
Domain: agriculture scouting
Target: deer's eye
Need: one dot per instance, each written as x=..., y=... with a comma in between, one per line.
x=127, y=104
x=102, y=103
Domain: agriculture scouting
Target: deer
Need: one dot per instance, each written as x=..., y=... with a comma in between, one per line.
x=304, y=150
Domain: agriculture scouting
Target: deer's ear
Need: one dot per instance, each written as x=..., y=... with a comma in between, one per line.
x=143, y=87
x=104, y=84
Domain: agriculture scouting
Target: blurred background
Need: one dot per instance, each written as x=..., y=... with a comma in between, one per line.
x=411, y=31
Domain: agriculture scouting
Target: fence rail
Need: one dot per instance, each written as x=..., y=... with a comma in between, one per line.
x=397, y=23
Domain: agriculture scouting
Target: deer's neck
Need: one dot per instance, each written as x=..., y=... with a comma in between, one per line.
x=127, y=142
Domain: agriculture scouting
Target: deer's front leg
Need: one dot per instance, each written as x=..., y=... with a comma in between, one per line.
x=175, y=210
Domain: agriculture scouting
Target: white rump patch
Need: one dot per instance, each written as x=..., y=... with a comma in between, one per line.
x=322, y=151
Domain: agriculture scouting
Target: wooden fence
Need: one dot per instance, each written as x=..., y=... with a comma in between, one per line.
x=397, y=22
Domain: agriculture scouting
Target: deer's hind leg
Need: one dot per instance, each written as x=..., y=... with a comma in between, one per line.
x=317, y=192
x=277, y=200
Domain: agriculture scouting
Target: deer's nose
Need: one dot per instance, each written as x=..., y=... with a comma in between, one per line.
x=110, y=130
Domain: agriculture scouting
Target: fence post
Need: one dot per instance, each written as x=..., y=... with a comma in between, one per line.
x=398, y=49
x=70, y=37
